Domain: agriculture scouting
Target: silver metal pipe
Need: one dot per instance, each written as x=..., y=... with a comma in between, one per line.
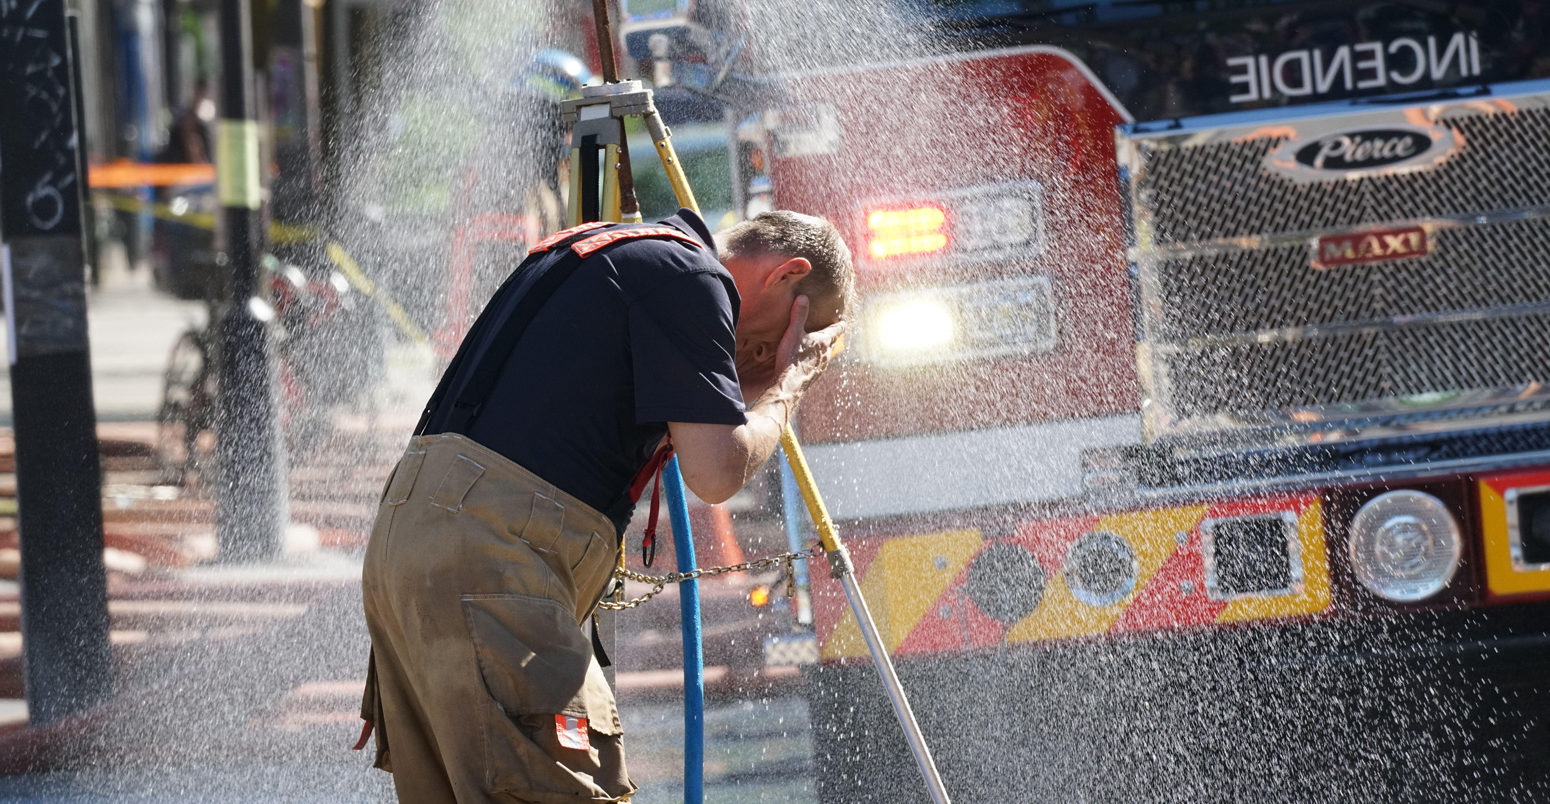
x=901, y=705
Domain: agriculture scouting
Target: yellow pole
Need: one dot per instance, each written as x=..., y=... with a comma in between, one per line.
x=788, y=440
x=675, y=175
x=663, y=139
x=573, y=203
x=611, y=191
x=804, y=476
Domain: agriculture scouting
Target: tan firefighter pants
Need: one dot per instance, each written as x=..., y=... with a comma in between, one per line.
x=478, y=578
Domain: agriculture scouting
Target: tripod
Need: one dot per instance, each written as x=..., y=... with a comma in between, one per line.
x=603, y=190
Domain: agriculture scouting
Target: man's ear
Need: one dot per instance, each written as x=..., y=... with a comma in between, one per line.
x=791, y=271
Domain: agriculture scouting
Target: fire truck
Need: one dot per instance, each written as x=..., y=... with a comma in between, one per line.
x=1193, y=441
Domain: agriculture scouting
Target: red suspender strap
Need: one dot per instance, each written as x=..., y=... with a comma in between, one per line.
x=648, y=541
x=365, y=735
x=638, y=484
x=653, y=468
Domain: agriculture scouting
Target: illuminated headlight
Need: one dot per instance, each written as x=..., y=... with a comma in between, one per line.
x=1404, y=545
x=909, y=328
x=986, y=319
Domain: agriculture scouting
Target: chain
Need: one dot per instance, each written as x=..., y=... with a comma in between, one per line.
x=660, y=582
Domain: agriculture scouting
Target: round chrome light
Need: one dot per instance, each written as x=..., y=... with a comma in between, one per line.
x=1101, y=569
x=1404, y=545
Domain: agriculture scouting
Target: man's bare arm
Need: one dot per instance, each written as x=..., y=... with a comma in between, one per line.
x=718, y=459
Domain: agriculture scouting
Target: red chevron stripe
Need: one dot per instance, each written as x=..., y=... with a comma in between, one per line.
x=586, y=247
x=552, y=240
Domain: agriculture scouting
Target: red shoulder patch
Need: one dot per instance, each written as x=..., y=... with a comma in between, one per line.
x=552, y=240
x=585, y=247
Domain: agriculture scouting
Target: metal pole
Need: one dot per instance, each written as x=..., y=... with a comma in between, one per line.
x=82, y=146
x=629, y=204
x=839, y=563
x=64, y=610
x=251, y=497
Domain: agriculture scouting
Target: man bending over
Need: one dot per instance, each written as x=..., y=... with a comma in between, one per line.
x=499, y=528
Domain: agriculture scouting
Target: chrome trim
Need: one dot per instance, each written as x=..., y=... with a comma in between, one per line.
x=1314, y=480
x=1019, y=464
x=1379, y=420
x=1188, y=126
x=1292, y=532
x=1158, y=252
x=1120, y=547
x=1293, y=334
x=1514, y=528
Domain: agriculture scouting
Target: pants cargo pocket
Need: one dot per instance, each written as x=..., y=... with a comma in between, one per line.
x=592, y=573
x=535, y=664
x=400, y=482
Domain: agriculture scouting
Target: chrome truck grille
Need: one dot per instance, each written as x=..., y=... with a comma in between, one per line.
x=1346, y=272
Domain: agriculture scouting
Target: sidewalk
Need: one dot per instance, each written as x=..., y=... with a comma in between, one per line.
x=132, y=327
x=226, y=677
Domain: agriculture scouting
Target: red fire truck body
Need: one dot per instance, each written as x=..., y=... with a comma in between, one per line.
x=1026, y=127
x=1197, y=457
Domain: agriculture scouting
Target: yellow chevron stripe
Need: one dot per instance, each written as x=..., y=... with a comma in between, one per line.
x=903, y=582
x=1313, y=597
x=1501, y=577
x=1152, y=534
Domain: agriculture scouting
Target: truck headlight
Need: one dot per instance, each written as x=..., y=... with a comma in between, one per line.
x=910, y=328
x=1405, y=545
x=995, y=318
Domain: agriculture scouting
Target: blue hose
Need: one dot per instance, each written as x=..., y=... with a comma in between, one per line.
x=694, y=653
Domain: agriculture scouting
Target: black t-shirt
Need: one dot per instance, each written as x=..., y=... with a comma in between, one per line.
x=640, y=335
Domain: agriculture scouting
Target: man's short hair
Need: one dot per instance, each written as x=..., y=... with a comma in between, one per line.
x=793, y=234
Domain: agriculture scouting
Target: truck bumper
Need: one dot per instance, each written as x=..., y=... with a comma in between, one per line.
x=1434, y=706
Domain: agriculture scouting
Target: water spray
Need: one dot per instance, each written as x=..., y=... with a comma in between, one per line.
x=596, y=121
x=841, y=568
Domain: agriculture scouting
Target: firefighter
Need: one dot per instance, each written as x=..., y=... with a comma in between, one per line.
x=498, y=530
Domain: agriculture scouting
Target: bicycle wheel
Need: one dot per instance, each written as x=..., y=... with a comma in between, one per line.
x=185, y=438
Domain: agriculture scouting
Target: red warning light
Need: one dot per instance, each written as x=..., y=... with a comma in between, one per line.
x=908, y=232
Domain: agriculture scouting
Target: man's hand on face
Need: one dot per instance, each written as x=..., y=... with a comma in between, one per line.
x=755, y=372
x=799, y=358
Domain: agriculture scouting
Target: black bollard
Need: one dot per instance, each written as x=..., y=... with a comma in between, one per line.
x=250, y=500
x=64, y=603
